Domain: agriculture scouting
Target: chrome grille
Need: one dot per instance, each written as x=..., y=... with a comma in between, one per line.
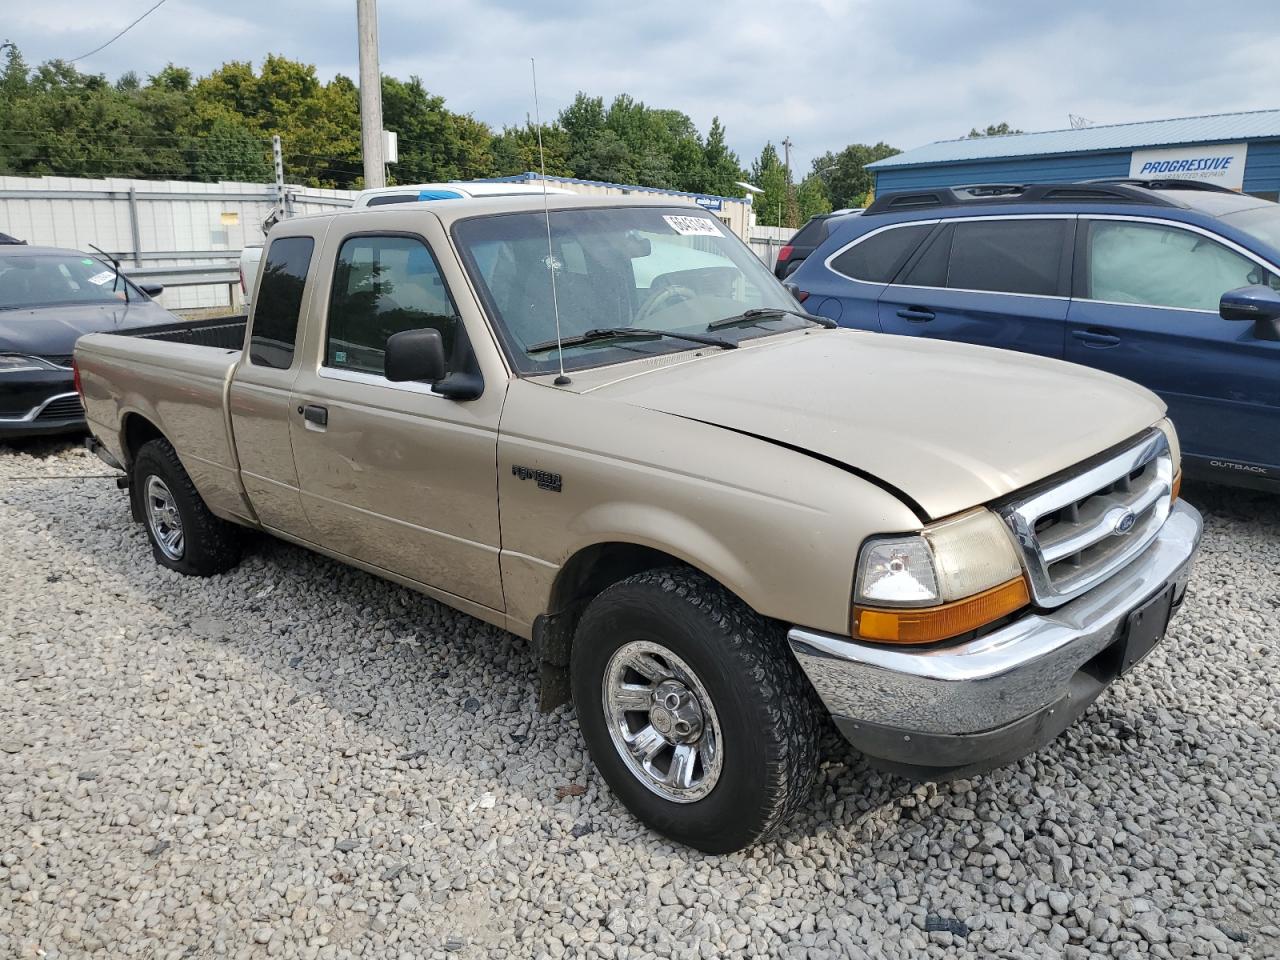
x=61, y=408
x=1075, y=532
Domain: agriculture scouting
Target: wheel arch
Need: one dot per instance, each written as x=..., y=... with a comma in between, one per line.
x=588, y=572
x=135, y=430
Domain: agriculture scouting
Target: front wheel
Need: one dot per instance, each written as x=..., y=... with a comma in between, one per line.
x=694, y=710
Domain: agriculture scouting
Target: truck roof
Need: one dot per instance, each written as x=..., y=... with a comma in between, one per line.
x=449, y=211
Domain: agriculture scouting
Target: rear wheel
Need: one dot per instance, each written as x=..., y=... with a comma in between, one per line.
x=184, y=535
x=694, y=709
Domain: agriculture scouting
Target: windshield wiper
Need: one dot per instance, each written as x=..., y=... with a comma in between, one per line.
x=764, y=313
x=622, y=333
x=115, y=263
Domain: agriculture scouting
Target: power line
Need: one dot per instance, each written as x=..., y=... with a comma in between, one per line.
x=152, y=9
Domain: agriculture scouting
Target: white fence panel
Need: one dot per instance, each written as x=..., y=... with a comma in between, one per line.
x=150, y=224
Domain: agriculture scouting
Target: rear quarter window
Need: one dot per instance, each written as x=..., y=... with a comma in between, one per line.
x=879, y=257
x=279, y=302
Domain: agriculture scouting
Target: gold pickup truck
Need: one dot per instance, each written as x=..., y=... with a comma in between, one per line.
x=606, y=427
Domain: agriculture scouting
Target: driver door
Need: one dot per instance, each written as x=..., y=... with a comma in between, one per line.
x=393, y=474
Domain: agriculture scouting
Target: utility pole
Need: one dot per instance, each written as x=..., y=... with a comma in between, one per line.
x=375, y=174
x=786, y=152
x=277, y=162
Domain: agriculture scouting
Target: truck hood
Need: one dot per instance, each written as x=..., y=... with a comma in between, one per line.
x=53, y=330
x=949, y=425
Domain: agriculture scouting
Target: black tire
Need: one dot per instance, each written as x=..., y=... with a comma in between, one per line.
x=210, y=545
x=767, y=710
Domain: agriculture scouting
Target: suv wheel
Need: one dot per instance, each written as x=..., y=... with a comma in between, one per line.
x=694, y=710
x=184, y=535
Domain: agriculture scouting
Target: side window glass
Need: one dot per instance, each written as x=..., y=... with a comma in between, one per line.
x=279, y=302
x=1164, y=267
x=1007, y=256
x=878, y=258
x=931, y=269
x=383, y=286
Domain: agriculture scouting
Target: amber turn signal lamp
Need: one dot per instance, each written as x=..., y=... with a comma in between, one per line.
x=1177, y=486
x=930, y=624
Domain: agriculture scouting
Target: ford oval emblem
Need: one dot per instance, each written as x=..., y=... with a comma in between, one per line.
x=1125, y=521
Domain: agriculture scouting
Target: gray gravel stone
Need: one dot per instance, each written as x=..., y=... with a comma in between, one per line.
x=247, y=729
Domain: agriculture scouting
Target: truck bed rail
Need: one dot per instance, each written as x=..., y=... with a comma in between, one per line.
x=224, y=332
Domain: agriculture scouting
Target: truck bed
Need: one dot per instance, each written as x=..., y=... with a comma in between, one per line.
x=175, y=378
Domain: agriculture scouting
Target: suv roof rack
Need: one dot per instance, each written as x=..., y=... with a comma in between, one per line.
x=1165, y=184
x=1107, y=191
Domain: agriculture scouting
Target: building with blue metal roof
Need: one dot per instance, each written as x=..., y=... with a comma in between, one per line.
x=1236, y=150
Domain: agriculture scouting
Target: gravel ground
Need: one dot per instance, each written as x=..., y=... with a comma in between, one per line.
x=297, y=759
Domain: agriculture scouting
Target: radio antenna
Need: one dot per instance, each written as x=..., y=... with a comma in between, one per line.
x=561, y=380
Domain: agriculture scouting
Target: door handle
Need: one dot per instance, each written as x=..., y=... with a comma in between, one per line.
x=916, y=314
x=315, y=414
x=1096, y=338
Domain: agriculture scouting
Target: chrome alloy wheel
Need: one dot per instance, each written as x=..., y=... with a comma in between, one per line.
x=662, y=721
x=163, y=518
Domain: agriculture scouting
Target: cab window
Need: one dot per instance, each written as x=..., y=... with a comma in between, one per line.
x=384, y=285
x=1160, y=266
x=279, y=302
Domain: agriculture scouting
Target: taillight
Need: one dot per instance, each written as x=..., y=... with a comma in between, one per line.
x=75, y=376
x=785, y=253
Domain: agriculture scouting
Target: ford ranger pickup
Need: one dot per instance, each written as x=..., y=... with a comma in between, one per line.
x=603, y=425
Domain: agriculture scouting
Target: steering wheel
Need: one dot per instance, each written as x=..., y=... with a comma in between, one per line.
x=660, y=297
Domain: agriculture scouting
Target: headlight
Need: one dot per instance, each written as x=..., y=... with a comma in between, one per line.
x=953, y=576
x=13, y=363
x=1175, y=452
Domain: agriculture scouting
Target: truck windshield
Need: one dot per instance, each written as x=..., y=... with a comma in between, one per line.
x=34, y=280
x=669, y=269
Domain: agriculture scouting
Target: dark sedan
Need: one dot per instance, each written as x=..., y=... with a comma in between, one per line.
x=48, y=299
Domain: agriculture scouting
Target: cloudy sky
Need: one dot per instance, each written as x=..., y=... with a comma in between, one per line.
x=824, y=72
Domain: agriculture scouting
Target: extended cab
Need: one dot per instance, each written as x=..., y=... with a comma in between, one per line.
x=609, y=429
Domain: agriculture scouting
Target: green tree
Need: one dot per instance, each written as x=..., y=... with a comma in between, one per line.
x=848, y=183
x=175, y=79
x=769, y=174
x=723, y=169
x=1001, y=129
x=435, y=143
x=811, y=197
x=515, y=150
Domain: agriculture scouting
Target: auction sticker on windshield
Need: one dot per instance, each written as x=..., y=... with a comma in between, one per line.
x=106, y=276
x=693, y=226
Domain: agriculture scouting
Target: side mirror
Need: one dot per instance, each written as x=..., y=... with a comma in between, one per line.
x=151, y=289
x=1258, y=303
x=415, y=355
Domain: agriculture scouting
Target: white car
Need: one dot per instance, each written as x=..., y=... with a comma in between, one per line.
x=420, y=192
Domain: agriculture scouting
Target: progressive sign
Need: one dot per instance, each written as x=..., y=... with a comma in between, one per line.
x=1221, y=163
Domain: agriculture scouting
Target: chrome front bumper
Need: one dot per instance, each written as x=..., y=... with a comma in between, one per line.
x=1003, y=694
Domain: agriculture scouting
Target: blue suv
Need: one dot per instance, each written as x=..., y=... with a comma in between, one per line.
x=1173, y=284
